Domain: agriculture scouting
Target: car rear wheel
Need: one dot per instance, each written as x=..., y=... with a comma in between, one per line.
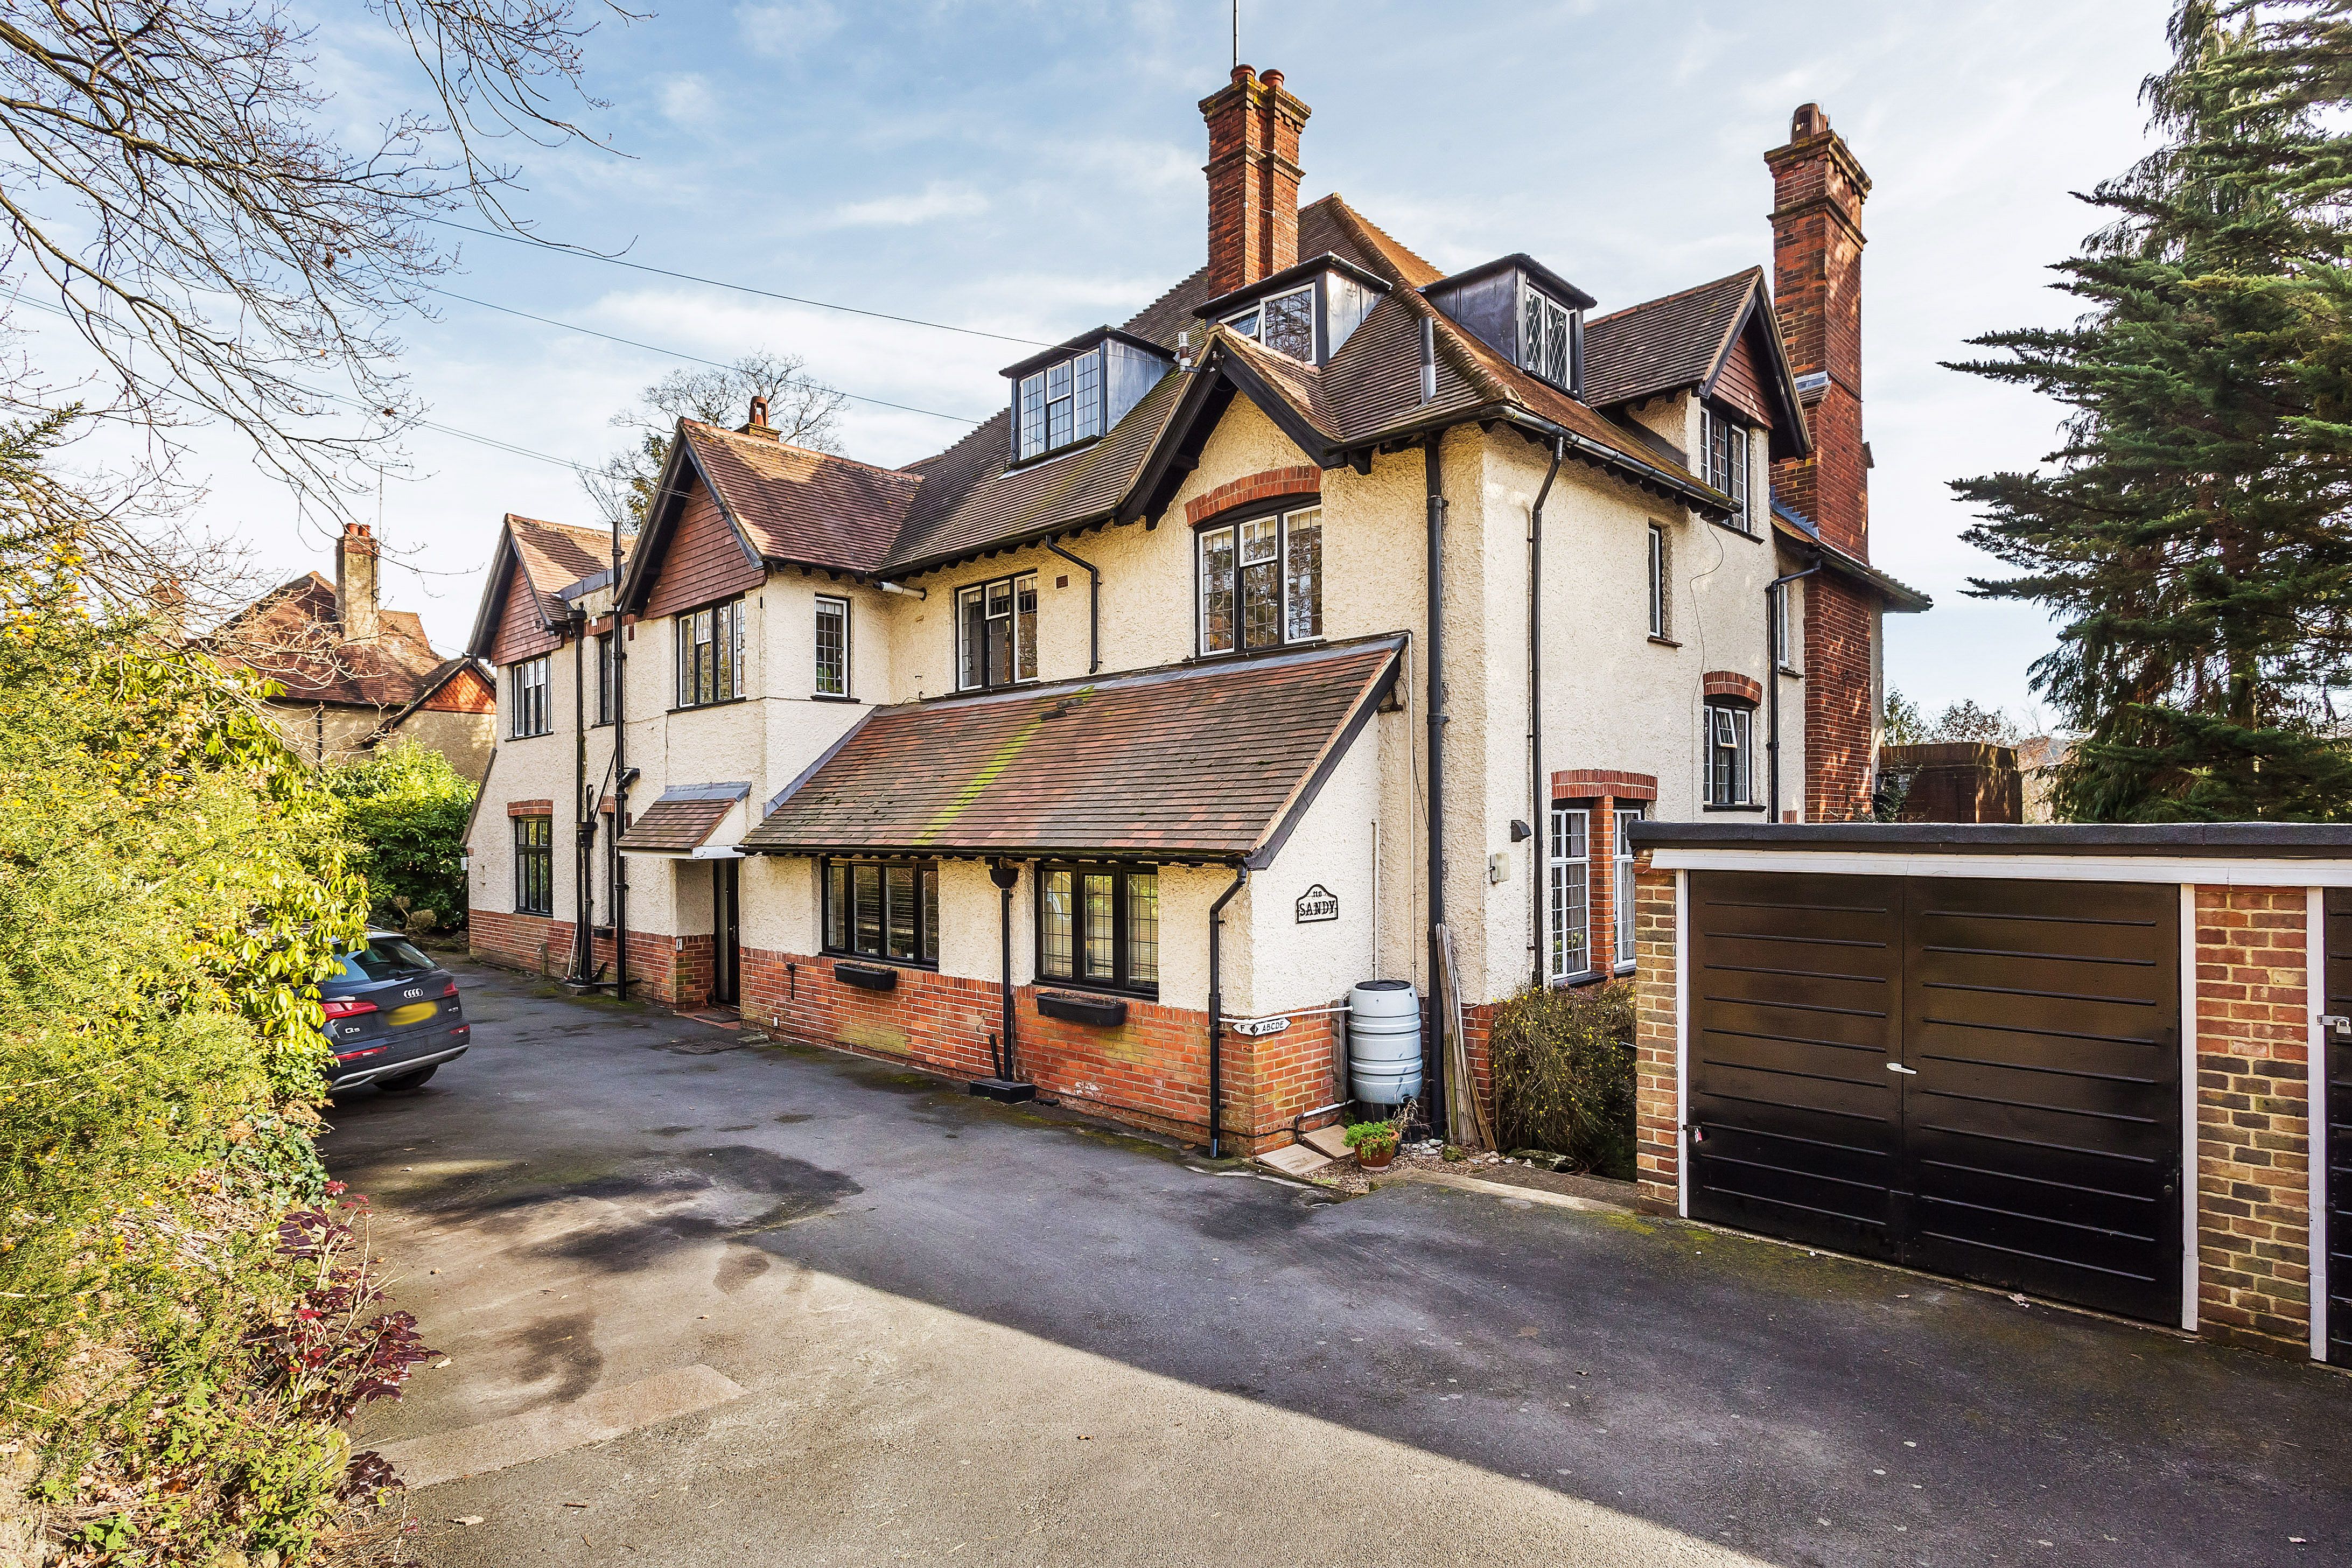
x=407, y=1082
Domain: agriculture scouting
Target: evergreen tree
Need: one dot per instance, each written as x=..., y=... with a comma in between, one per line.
x=2192, y=536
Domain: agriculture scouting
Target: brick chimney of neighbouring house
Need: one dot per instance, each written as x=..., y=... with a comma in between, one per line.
x=1818, y=189
x=1252, y=172
x=355, y=585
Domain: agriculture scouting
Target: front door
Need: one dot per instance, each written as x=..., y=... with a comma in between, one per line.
x=726, y=986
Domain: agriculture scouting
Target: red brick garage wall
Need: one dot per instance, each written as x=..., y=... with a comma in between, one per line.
x=1151, y=1071
x=673, y=970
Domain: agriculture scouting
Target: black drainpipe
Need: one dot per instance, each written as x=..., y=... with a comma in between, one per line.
x=1093, y=606
x=1217, y=1003
x=583, y=856
x=1005, y=874
x=617, y=893
x=1774, y=655
x=1542, y=799
x=1436, y=704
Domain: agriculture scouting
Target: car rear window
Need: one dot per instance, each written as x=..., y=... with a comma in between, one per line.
x=384, y=958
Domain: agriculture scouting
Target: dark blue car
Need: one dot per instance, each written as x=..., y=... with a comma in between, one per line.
x=393, y=1016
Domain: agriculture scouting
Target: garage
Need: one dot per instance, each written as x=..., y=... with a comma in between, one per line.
x=1979, y=1077
x=2092, y=1063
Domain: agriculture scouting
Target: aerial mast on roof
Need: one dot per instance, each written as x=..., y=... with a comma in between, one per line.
x=1237, y=34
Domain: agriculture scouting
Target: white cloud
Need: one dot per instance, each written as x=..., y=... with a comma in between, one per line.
x=688, y=100
x=785, y=28
x=935, y=200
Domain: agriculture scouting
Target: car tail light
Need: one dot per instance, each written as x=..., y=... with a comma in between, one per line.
x=450, y=989
x=355, y=1056
x=348, y=1007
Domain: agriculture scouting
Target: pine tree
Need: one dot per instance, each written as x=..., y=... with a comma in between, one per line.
x=2193, y=535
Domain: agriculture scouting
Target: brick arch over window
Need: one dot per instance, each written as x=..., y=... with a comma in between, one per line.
x=1272, y=484
x=1731, y=683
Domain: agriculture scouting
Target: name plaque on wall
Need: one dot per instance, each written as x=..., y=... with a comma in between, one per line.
x=1317, y=903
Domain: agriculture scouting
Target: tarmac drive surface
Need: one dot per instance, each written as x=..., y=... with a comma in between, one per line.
x=715, y=1303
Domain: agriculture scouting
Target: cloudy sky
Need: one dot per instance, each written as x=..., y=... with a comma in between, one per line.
x=1030, y=170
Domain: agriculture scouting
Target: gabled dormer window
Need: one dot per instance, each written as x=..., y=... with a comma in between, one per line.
x=1283, y=323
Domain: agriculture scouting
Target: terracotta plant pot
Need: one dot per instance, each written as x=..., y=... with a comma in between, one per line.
x=1372, y=1159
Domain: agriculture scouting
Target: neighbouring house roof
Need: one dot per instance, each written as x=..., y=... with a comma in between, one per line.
x=293, y=634
x=683, y=819
x=545, y=558
x=1214, y=762
x=809, y=509
x=1898, y=595
x=1686, y=340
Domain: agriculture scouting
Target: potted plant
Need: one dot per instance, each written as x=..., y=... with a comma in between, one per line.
x=1375, y=1143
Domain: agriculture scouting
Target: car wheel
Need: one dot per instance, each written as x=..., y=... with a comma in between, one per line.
x=407, y=1082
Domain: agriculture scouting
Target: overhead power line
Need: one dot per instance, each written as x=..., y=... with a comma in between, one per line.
x=739, y=288
x=692, y=359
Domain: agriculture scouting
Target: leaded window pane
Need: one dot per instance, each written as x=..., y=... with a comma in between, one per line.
x=1568, y=891
x=972, y=655
x=1053, y=927
x=832, y=646
x=1101, y=931
x=1289, y=325
x=1246, y=323
x=1033, y=416
x=1622, y=880
x=866, y=930
x=1024, y=628
x=1143, y=927
x=1086, y=395
x=931, y=910
x=898, y=892
x=1217, y=590
x=836, y=906
x=1260, y=583
x=1303, y=575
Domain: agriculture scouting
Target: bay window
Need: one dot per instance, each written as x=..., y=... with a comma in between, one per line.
x=1569, y=892
x=711, y=655
x=996, y=633
x=882, y=908
x=1099, y=926
x=1261, y=581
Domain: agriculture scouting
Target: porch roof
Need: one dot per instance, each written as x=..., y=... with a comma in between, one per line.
x=1210, y=763
x=683, y=819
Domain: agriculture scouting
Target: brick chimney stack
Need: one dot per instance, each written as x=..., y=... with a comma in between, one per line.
x=1818, y=189
x=355, y=583
x=1252, y=172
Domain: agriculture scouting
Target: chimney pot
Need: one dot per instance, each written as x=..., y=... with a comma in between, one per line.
x=1272, y=79
x=1806, y=122
x=356, y=606
x=759, y=413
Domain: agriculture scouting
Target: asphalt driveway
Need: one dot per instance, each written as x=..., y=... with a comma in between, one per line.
x=711, y=1302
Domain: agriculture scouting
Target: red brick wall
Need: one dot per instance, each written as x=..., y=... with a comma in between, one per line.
x=2253, y=1194
x=674, y=971
x=1838, y=720
x=1151, y=1071
x=703, y=561
x=1657, y=1119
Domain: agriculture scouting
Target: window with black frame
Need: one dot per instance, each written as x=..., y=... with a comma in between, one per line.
x=832, y=646
x=711, y=655
x=1261, y=581
x=1729, y=766
x=1098, y=926
x=882, y=908
x=607, y=683
x=534, y=873
x=996, y=633
x=1723, y=451
x=529, y=710
x=1058, y=406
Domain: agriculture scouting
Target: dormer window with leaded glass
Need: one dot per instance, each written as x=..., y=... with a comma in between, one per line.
x=1306, y=311
x=1076, y=393
x=1523, y=310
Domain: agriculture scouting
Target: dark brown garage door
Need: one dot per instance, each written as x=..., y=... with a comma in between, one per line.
x=1976, y=1077
x=2339, y=1128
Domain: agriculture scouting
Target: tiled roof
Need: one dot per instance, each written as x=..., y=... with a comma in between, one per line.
x=1900, y=596
x=683, y=819
x=294, y=635
x=1209, y=762
x=812, y=509
x=1664, y=344
x=555, y=555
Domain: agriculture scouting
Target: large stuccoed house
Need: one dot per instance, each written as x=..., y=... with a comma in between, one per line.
x=1107, y=734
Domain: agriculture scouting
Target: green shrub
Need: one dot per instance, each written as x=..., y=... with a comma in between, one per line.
x=1563, y=1065
x=405, y=808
